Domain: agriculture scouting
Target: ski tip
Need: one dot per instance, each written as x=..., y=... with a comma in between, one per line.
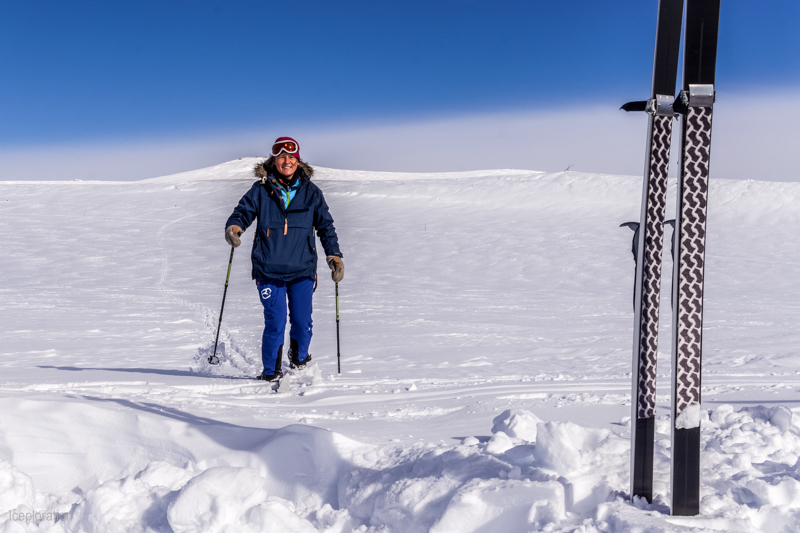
x=213, y=360
x=634, y=106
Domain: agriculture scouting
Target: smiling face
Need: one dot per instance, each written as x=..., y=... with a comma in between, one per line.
x=286, y=164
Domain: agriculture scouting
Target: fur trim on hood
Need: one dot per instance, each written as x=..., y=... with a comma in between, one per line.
x=265, y=168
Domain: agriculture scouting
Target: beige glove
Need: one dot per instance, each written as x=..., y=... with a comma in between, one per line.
x=232, y=235
x=337, y=267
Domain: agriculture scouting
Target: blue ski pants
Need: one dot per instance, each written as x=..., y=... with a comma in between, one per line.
x=273, y=294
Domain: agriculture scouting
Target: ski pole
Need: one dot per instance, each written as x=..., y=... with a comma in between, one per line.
x=338, y=355
x=214, y=360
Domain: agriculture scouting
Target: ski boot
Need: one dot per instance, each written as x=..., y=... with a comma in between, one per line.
x=294, y=362
x=270, y=377
x=278, y=373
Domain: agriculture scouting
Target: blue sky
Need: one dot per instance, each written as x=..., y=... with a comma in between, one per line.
x=84, y=72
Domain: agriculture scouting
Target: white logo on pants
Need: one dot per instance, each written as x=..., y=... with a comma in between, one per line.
x=266, y=293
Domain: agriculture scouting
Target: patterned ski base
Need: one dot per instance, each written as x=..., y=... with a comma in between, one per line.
x=654, y=199
x=691, y=257
x=688, y=334
x=653, y=224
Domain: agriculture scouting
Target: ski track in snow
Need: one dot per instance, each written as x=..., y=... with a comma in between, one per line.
x=471, y=301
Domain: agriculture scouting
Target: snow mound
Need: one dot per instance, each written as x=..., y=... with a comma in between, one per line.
x=517, y=423
x=222, y=499
x=16, y=488
x=509, y=506
x=572, y=478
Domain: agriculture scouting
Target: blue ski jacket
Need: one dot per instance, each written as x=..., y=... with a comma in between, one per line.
x=284, y=246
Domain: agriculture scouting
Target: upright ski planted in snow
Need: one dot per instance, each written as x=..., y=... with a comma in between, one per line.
x=696, y=105
x=647, y=289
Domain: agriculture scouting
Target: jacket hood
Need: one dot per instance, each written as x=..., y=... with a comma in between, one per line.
x=267, y=167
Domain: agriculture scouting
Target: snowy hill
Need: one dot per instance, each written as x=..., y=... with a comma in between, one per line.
x=486, y=334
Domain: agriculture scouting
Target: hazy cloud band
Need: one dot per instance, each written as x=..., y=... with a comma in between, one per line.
x=753, y=138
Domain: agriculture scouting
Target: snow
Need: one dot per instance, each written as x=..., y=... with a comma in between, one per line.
x=517, y=423
x=690, y=417
x=486, y=332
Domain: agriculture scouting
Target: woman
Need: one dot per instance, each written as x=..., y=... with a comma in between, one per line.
x=288, y=208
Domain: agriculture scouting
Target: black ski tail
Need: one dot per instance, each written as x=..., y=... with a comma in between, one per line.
x=642, y=473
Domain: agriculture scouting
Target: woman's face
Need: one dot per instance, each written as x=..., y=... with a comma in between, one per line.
x=286, y=164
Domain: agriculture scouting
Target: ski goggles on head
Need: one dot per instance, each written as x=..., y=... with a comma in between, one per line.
x=290, y=147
